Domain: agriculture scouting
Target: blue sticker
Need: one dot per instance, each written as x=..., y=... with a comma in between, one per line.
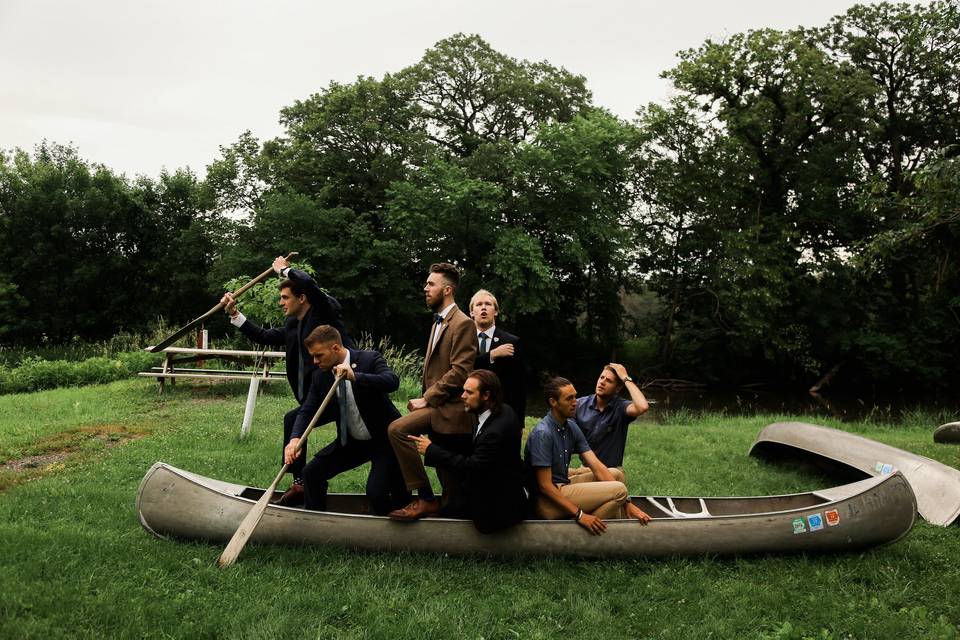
x=878, y=467
x=887, y=468
x=815, y=521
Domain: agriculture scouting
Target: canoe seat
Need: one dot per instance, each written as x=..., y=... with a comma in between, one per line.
x=671, y=508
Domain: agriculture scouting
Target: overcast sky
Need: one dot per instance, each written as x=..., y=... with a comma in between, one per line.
x=143, y=85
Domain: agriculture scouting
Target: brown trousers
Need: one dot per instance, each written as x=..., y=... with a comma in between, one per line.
x=584, y=474
x=411, y=464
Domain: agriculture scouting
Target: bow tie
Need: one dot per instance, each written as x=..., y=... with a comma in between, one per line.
x=437, y=318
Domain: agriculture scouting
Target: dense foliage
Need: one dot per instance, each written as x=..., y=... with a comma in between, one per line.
x=791, y=211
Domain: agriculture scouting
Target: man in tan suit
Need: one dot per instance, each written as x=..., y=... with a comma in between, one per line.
x=451, y=350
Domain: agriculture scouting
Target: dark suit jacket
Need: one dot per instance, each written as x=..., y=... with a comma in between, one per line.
x=445, y=369
x=511, y=371
x=375, y=382
x=323, y=310
x=492, y=473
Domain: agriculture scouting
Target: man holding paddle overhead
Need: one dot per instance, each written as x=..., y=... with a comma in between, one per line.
x=306, y=307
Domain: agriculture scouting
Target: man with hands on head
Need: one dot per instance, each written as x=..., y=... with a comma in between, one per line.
x=604, y=417
x=362, y=413
x=499, y=351
x=491, y=472
x=305, y=307
x=547, y=457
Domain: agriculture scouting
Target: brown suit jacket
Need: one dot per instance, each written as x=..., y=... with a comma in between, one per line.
x=445, y=369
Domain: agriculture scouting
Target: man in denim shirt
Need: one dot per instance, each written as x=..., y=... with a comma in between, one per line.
x=604, y=417
x=547, y=457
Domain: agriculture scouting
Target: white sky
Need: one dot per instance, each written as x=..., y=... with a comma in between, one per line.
x=141, y=85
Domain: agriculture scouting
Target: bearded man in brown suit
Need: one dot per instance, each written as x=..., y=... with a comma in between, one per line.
x=451, y=350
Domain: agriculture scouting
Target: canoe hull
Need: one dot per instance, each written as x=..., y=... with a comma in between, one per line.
x=947, y=433
x=179, y=504
x=937, y=486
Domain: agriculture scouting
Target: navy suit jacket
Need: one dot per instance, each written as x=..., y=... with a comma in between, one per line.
x=323, y=310
x=510, y=370
x=492, y=473
x=375, y=381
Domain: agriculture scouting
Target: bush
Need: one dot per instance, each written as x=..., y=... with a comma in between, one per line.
x=35, y=373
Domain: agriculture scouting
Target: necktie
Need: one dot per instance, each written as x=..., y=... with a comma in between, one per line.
x=344, y=414
x=483, y=342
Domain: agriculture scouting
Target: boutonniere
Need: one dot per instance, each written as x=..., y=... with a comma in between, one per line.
x=353, y=364
x=496, y=339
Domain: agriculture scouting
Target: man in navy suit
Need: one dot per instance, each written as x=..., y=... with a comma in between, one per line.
x=362, y=413
x=306, y=307
x=492, y=472
x=499, y=351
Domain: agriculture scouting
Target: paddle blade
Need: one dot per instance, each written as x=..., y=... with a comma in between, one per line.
x=239, y=539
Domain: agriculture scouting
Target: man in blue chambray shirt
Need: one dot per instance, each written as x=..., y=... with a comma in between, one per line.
x=604, y=417
x=547, y=457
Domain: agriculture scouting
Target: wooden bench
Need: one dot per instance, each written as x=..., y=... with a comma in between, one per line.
x=175, y=357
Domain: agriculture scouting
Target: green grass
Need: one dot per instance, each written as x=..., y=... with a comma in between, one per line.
x=77, y=564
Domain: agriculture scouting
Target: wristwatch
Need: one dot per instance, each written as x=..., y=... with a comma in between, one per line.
x=627, y=379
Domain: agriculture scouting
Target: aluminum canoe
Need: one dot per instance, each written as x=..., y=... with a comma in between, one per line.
x=936, y=485
x=179, y=504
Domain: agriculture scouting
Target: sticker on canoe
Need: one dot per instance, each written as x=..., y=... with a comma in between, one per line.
x=799, y=526
x=883, y=468
x=815, y=521
x=833, y=517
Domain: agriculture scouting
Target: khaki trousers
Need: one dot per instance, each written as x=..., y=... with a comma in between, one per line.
x=584, y=474
x=604, y=499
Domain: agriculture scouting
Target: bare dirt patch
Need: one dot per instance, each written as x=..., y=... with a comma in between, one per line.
x=53, y=452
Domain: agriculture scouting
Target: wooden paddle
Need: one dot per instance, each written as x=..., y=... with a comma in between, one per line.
x=245, y=530
x=166, y=342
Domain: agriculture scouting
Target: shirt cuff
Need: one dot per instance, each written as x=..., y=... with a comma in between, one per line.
x=238, y=319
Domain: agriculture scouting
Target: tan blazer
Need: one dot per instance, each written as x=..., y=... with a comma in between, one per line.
x=445, y=369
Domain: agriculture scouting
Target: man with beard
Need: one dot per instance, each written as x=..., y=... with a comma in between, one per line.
x=451, y=351
x=306, y=307
x=492, y=473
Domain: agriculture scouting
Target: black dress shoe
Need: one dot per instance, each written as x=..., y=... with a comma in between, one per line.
x=293, y=497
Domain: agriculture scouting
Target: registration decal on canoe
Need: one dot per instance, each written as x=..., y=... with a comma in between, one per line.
x=833, y=517
x=883, y=468
x=799, y=526
x=816, y=521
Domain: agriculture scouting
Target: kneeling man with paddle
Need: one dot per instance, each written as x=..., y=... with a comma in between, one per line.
x=363, y=412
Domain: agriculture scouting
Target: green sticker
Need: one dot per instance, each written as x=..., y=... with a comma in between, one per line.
x=799, y=525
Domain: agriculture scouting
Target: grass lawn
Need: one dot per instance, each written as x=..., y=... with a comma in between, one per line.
x=76, y=563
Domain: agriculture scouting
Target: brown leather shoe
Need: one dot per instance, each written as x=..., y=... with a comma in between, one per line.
x=293, y=497
x=416, y=510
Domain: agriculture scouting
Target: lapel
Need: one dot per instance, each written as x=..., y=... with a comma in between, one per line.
x=431, y=344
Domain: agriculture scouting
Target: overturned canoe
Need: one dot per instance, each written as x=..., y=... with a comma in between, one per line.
x=176, y=503
x=947, y=433
x=936, y=485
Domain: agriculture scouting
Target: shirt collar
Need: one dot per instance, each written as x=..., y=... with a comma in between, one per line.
x=489, y=331
x=482, y=419
x=443, y=314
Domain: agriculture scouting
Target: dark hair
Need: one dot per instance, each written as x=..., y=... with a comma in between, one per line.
x=322, y=335
x=296, y=288
x=490, y=383
x=448, y=271
x=552, y=386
